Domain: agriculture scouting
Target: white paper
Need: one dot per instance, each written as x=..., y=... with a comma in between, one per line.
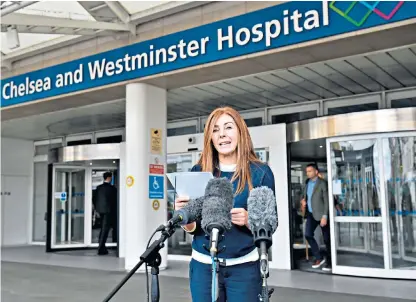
x=336, y=187
x=190, y=184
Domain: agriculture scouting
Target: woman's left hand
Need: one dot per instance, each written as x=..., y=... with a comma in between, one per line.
x=239, y=216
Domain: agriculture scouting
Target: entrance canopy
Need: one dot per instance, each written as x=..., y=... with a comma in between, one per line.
x=260, y=42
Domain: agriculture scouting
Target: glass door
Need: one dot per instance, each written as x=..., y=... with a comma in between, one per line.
x=371, y=180
x=68, y=207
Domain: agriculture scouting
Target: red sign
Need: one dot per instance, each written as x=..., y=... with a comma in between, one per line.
x=156, y=169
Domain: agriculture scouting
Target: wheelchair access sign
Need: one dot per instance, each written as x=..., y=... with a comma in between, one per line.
x=156, y=187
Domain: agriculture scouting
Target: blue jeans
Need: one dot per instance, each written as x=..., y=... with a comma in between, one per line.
x=311, y=225
x=237, y=283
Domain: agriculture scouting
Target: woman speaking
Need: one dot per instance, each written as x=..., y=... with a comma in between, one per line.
x=228, y=152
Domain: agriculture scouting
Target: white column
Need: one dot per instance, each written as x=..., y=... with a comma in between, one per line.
x=146, y=119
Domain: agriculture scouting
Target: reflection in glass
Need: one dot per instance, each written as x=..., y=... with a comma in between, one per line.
x=355, y=177
x=77, y=206
x=180, y=243
x=356, y=192
x=400, y=177
x=359, y=244
x=60, y=208
x=70, y=210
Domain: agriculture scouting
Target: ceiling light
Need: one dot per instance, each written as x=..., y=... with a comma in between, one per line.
x=12, y=37
x=321, y=146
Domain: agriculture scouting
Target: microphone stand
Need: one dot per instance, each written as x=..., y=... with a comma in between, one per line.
x=152, y=257
x=264, y=240
x=264, y=271
x=215, y=237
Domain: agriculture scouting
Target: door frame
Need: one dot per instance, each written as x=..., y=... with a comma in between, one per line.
x=51, y=235
x=51, y=217
x=387, y=271
x=89, y=205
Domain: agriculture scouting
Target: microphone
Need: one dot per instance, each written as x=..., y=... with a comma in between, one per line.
x=263, y=221
x=216, y=210
x=189, y=213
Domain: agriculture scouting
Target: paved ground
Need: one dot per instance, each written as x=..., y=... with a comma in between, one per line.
x=35, y=283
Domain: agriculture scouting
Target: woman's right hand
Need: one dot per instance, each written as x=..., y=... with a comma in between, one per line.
x=180, y=202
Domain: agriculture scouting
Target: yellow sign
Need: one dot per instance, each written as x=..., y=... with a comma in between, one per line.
x=156, y=204
x=130, y=181
x=156, y=141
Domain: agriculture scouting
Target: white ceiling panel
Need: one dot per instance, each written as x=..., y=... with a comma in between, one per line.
x=279, y=80
x=245, y=86
x=376, y=73
x=328, y=72
x=406, y=58
x=359, y=78
x=300, y=80
x=320, y=81
x=388, y=64
x=282, y=95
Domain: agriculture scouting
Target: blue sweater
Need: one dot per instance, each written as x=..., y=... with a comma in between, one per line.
x=239, y=240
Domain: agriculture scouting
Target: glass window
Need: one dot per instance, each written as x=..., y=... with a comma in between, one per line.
x=40, y=198
x=44, y=149
x=360, y=244
x=353, y=108
x=293, y=117
x=403, y=103
x=400, y=182
x=356, y=196
x=79, y=142
x=253, y=122
x=110, y=139
x=355, y=170
x=262, y=154
x=181, y=131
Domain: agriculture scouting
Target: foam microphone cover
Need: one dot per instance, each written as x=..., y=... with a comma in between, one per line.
x=219, y=200
x=192, y=211
x=261, y=207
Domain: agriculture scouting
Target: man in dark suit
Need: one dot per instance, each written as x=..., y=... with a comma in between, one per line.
x=315, y=202
x=106, y=206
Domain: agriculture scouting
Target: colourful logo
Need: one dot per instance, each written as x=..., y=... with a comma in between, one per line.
x=357, y=12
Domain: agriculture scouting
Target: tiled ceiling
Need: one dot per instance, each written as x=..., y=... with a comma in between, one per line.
x=331, y=79
x=349, y=76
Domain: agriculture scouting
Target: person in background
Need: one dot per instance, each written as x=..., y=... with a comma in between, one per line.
x=106, y=206
x=315, y=202
x=228, y=152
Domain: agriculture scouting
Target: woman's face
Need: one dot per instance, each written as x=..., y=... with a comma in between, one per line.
x=225, y=135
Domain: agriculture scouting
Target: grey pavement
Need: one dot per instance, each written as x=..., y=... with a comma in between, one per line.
x=88, y=259
x=36, y=282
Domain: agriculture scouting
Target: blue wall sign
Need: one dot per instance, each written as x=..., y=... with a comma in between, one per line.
x=156, y=187
x=63, y=196
x=281, y=25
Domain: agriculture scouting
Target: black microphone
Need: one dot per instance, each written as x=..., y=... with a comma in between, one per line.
x=216, y=210
x=188, y=214
x=262, y=220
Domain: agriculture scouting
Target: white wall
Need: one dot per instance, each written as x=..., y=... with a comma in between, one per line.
x=16, y=179
x=272, y=137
